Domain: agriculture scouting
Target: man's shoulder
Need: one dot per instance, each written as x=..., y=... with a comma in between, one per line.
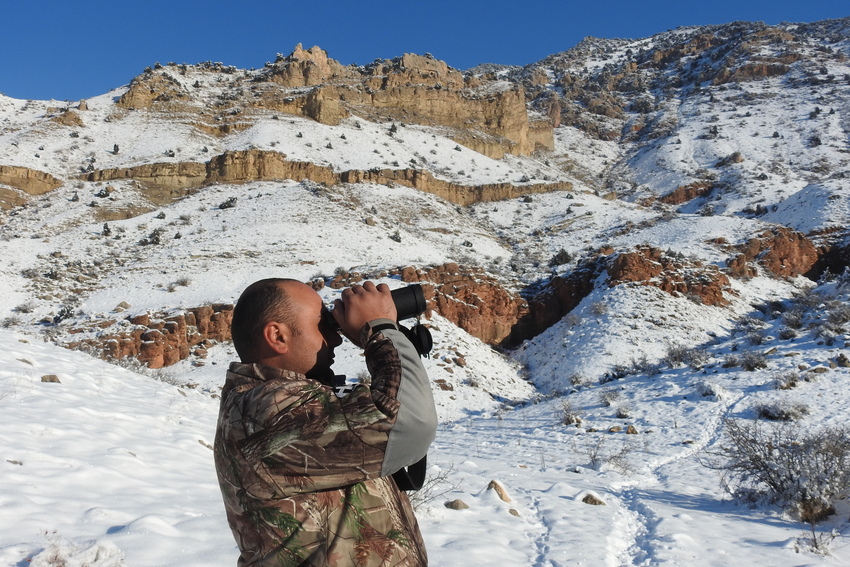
x=268, y=384
x=251, y=372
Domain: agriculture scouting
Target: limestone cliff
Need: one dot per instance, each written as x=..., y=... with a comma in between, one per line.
x=171, y=180
x=488, y=115
x=22, y=183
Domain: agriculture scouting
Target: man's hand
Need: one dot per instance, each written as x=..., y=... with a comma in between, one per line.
x=361, y=304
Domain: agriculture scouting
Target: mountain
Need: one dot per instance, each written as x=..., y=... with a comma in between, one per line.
x=663, y=218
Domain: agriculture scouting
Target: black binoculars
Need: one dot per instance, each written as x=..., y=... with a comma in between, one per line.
x=409, y=302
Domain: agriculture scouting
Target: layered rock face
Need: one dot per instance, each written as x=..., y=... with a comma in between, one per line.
x=675, y=275
x=489, y=116
x=472, y=300
x=476, y=301
x=781, y=251
x=24, y=182
x=166, y=181
x=161, y=339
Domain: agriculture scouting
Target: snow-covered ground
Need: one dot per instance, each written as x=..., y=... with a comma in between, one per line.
x=104, y=466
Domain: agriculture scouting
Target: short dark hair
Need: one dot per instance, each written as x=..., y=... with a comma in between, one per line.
x=261, y=302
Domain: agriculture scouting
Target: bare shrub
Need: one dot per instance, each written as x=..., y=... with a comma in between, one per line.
x=610, y=397
x=711, y=390
x=572, y=319
x=436, y=486
x=787, y=381
x=560, y=258
x=843, y=280
x=602, y=458
x=793, y=319
x=827, y=333
x=803, y=471
x=751, y=360
x=675, y=356
x=27, y=307
x=756, y=338
x=782, y=411
x=578, y=379
x=678, y=355
x=838, y=312
x=643, y=365
x=570, y=416
x=599, y=308
x=787, y=333
x=617, y=372
x=809, y=299
x=748, y=324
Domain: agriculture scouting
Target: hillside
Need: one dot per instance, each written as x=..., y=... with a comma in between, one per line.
x=649, y=233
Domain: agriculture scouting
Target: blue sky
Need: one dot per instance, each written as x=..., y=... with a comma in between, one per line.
x=72, y=50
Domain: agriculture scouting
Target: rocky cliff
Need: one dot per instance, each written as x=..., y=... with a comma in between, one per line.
x=23, y=182
x=489, y=116
x=167, y=181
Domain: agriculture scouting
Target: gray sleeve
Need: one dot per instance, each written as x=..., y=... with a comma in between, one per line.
x=416, y=425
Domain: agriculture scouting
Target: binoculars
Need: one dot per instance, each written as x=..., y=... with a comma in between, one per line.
x=409, y=302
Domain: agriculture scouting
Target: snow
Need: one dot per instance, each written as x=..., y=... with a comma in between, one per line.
x=117, y=464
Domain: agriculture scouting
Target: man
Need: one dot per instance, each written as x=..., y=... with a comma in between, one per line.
x=305, y=475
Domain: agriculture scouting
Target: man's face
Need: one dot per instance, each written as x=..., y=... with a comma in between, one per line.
x=311, y=350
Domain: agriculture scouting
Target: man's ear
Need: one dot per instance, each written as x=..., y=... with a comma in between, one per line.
x=276, y=336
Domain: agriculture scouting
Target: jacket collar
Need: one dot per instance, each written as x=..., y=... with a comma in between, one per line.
x=247, y=372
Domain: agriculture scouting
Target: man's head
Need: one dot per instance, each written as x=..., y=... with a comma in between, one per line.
x=280, y=323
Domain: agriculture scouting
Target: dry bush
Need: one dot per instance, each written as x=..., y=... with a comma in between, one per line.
x=599, y=308
x=570, y=416
x=436, y=486
x=757, y=338
x=782, y=411
x=787, y=381
x=690, y=356
x=751, y=360
x=711, y=390
x=794, y=318
x=578, y=380
x=787, y=333
x=802, y=471
x=601, y=457
x=610, y=397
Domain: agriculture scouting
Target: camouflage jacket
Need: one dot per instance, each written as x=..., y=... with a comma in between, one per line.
x=305, y=474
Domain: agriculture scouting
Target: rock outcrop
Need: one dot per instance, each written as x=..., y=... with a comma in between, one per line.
x=558, y=297
x=469, y=297
x=22, y=183
x=833, y=252
x=685, y=193
x=30, y=181
x=782, y=251
x=172, y=180
x=489, y=116
x=675, y=275
x=306, y=68
x=162, y=339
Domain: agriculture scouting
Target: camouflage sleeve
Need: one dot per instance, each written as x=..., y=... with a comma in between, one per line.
x=398, y=374
x=301, y=438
